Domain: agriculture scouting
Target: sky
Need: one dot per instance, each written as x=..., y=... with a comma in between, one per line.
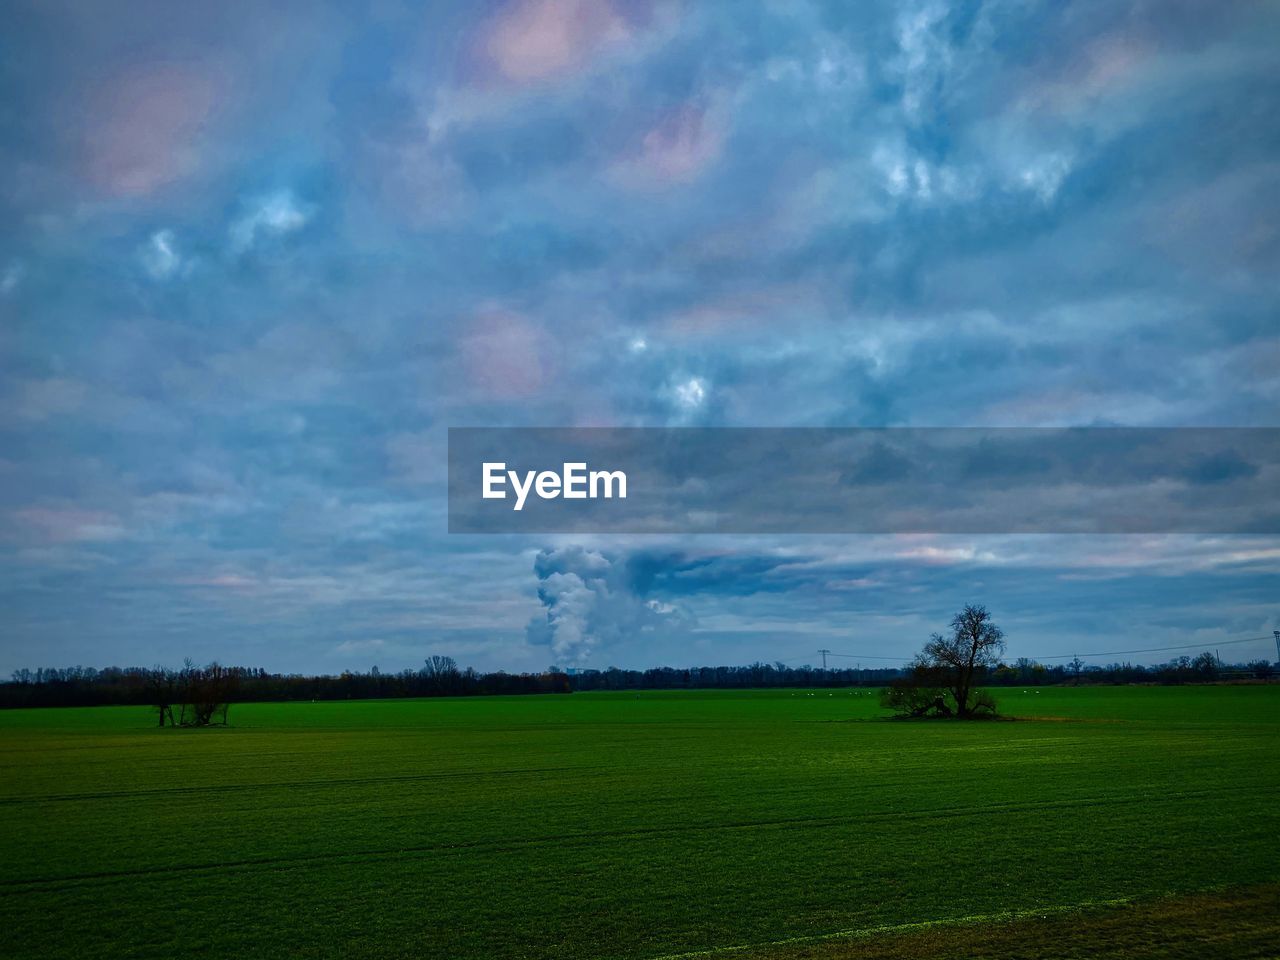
x=255, y=259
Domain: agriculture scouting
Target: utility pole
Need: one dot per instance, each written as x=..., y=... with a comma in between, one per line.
x=824, y=651
x=1276, y=634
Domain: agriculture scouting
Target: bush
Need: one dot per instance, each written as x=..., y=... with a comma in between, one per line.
x=920, y=693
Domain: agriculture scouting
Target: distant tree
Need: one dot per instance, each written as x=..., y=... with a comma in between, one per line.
x=162, y=689
x=442, y=674
x=941, y=680
x=1205, y=666
x=203, y=693
x=437, y=666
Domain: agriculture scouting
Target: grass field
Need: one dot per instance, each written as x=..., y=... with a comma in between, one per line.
x=1141, y=821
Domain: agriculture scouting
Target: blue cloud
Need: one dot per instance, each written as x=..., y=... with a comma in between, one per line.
x=252, y=267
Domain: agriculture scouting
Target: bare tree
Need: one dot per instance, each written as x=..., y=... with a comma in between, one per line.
x=949, y=665
x=442, y=673
x=204, y=694
x=974, y=644
x=439, y=667
x=210, y=694
x=162, y=689
x=1076, y=666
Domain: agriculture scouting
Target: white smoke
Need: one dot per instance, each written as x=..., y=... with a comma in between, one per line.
x=590, y=601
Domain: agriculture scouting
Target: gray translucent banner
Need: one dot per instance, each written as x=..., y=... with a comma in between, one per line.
x=855, y=480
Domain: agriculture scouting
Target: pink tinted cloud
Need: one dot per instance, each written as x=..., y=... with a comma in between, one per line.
x=683, y=143
x=1105, y=66
x=790, y=306
x=503, y=354
x=940, y=551
x=68, y=524
x=143, y=126
x=530, y=41
x=221, y=581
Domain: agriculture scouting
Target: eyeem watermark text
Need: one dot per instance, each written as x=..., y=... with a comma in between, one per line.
x=574, y=482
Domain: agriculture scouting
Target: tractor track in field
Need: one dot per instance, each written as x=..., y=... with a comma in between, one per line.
x=41, y=884
x=918, y=926
x=283, y=784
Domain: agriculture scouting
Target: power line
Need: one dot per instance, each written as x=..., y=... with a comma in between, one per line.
x=1054, y=656
x=1117, y=653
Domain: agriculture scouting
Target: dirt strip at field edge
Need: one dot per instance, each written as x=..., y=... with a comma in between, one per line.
x=1242, y=923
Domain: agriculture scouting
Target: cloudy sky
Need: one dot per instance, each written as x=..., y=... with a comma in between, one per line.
x=256, y=258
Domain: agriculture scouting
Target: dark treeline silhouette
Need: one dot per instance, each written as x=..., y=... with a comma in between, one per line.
x=440, y=677
x=170, y=690
x=1022, y=672
x=710, y=678
x=1204, y=668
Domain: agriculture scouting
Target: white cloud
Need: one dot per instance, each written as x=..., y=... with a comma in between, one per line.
x=1006, y=164
x=924, y=55
x=1044, y=175
x=276, y=215
x=12, y=276
x=160, y=256
x=830, y=67
x=906, y=176
x=691, y=394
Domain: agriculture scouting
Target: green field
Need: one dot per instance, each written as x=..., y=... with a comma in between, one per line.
x=648, y=825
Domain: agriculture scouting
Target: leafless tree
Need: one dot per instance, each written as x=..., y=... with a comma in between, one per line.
x=975, y=643
x=442, y=673
x=949, y=666
x=162, y=688
x=438, y=666
x=204, y=694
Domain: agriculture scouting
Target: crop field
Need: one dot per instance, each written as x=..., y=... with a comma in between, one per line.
x=1125, y=822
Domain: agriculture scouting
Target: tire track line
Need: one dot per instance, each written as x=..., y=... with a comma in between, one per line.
x=587, y=838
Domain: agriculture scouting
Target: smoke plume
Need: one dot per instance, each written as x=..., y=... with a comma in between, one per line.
x=591, y=600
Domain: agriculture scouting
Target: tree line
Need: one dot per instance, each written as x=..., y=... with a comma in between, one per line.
x=87, y=686
x=198, y=696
